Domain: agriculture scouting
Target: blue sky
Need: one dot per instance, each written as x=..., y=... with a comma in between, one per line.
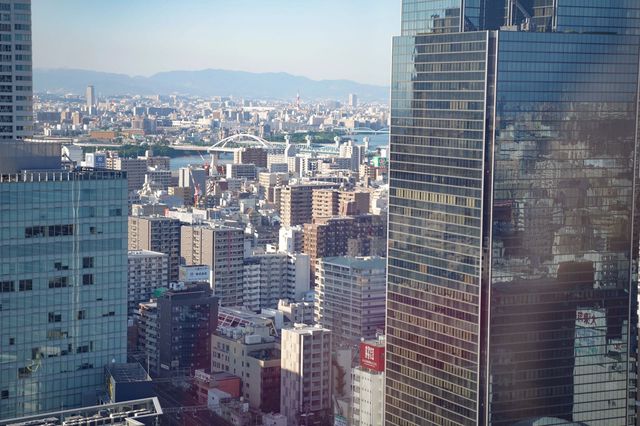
x=320, y=39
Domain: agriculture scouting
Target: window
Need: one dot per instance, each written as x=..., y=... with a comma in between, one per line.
x=25, y=285
x=34, y=232
x=115, y=212
x=58, y=266
x=7, y=286
x=87, y=279
x=4, y=394
x=53, y=317
x=12, y=341
x=82, y=314
x=87, y=262
x=58, y=282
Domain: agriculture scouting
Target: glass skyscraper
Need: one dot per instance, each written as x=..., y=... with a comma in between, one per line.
x=512, y=247
x=63, y=284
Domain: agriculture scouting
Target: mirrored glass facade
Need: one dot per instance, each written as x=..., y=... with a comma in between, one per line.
x=511, y=283
x=435, y=228
x=63, y=287
x=565, y=140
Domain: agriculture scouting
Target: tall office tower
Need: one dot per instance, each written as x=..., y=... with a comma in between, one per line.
x=63, y=280
x=350, y=297
x=157, y=233
x=91, y=99
x=353, y=100
x=187, y=318
x=222, y=249
x=305, y=381
x=513, y=148
x=16, y=106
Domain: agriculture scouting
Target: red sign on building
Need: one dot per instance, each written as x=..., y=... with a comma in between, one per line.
x=372, y=356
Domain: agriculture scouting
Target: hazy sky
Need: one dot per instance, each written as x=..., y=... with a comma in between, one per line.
x=320, y=39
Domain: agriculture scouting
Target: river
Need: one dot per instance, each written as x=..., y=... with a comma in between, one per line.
x=375, y=141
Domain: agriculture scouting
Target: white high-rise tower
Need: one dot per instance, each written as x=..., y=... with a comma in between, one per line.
x=16, y=89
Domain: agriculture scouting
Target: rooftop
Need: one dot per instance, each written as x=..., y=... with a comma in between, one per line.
x=127, y=373
x=357, y=262
x=112, y=414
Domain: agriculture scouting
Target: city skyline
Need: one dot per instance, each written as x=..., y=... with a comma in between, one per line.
x=102, y=37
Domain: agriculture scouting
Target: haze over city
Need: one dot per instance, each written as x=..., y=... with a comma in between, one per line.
x=319, y=213
x=328, y=39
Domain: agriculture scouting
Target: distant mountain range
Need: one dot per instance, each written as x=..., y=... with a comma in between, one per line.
x=207, y=82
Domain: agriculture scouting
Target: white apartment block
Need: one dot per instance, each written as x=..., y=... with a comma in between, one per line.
x=350, y=297
x=147, y=271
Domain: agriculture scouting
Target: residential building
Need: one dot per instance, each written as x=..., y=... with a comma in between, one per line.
x=136, y=170
x=255, y=156
x=332, y=202
x=290, y=239
x=350, y=297
x=296, y=202
x=222, y=249
x=368, y=385
x=63, y=275
x=146, y=320
x=147, y=271
x=301, y=312
x=187, y=318
x=363, y=235
x=159, y=234
x=511, y=204
x=253, y=355
x=241, y=171
x=305, y=396
x=265, y=280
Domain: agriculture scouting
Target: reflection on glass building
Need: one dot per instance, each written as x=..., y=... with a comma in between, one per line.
x=511, y=293
x=63, y=282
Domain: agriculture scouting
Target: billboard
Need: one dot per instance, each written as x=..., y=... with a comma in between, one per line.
x=193, y=273
x=372, y=356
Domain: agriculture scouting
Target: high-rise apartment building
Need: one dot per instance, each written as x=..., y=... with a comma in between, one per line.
x=368, y=385
x=350, y=297
x=251, y=354
x=136, y=169
x=16, y=86
x=187, y=318
x=147, y=271
x=511, y=242
x=363, y=235
x=63, y=280
x=296, y=202
x=333, y=202
x=222, y=249
x=305, y=395
x=160, y=234
x=90, y=97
